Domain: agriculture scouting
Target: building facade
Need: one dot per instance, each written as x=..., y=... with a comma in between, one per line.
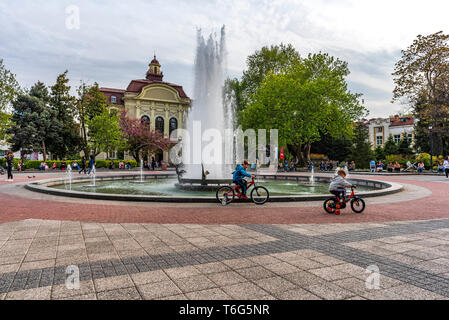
x=164, y=104
x=379, y=129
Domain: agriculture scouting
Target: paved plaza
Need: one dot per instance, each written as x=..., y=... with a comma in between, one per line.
x=242, y=251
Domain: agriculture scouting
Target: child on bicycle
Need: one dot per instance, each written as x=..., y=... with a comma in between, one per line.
x=339, y=184
x=239, y=175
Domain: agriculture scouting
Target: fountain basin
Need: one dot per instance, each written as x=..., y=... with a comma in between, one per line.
x=368, y=188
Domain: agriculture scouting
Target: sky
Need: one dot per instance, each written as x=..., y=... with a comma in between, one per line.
x=115, y=40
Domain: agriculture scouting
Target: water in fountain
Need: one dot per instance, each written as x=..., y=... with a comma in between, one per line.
x=208, y=107
x=312, y=178
x=141, y=170
x=69, y=175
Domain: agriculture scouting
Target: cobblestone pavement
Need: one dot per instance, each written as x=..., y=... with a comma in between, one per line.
x=177, y=261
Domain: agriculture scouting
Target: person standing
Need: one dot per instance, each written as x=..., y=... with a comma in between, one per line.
x=446, y=167
x=9, y=165
x=91, y=163
x=83, y=165
x=153, y=164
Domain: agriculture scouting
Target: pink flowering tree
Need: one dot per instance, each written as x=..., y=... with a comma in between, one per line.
x=139, y=137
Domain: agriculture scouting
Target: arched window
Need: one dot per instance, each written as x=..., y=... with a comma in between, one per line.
x=145, y=119
x=173, y=124
x=113, y=99
x=160, y=124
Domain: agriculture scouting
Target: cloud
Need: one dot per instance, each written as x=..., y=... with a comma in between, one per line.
x=117, y=39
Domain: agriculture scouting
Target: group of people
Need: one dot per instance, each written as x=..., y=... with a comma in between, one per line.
x=151, y=165
x=443, y=167
x=329, y=165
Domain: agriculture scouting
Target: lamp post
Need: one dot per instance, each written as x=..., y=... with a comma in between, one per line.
x=431, y=148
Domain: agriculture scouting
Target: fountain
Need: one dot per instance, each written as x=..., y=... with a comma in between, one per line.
x=208, y=113
x=141, y=173
x=92, y=178
x=69, y=176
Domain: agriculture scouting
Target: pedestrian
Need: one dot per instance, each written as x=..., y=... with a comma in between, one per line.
x=446, y=167
x=9, y=165
x=91, y=163
x=83, y=165
x=153, y=163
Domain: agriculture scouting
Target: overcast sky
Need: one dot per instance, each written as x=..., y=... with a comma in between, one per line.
x=116, y=39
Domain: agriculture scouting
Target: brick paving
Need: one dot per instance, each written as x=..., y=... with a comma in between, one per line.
x=288, y=251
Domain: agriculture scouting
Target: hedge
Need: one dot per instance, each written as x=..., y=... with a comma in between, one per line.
x=34, y=164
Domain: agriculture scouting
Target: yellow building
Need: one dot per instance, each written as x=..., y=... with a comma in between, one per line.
x=164, y=104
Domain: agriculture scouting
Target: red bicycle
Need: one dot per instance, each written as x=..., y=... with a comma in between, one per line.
x=335, y=204
x=226, y=194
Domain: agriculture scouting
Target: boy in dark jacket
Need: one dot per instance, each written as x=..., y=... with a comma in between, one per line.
x=239, y=175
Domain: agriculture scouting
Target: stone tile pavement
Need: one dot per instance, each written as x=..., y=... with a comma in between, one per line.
x=182, y=261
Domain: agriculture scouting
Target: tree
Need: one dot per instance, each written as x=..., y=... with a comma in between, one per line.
x=104, y=133
x=273, y=59
x=91, y=102
x=379, y=153
x=64, y=105
x=33, y=122
x=140, y=138
x=404, y=146
x=9, y=87
x=361, y=151
x=309, y=98
x=5, y=122
x=390, y=147
x=422, y=80
x=338, y=149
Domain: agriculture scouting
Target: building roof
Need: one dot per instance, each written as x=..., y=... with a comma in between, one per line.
x=137, y=85
x=395, y=121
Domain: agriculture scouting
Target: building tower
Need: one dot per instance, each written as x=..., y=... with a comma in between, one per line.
x=154, y=72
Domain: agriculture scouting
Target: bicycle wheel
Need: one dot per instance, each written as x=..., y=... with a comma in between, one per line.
x=329, y=205
x=225, y=195
x=260, y=195
x=357, y=205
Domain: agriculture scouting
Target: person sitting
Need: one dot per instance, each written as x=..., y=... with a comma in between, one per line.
x=380, y=166
x=54, y=166
x=352, y=166
x=390, y=167
x=75, y=165
x=128, y=165
x=111, y=165
x=339, y=184
x=42, y=166
x=397, y=167
x=330, y=166
x=440, y=168
x=121, y=165
x=420, y=167
x=238, y=177
x=63, y=166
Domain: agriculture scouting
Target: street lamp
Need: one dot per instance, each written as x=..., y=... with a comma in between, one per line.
x=431, y=147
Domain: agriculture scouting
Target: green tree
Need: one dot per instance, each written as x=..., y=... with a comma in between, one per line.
x=9, y=87
x=404, y=147
x=361, y=151
x=104, y=133
x=5, y=122
x=379, y=153
x=273, y=59
x=91, y=102
x=390, y=147
x=422, y=80
x=64, y=105
x=309, y=98
x=33, y=125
